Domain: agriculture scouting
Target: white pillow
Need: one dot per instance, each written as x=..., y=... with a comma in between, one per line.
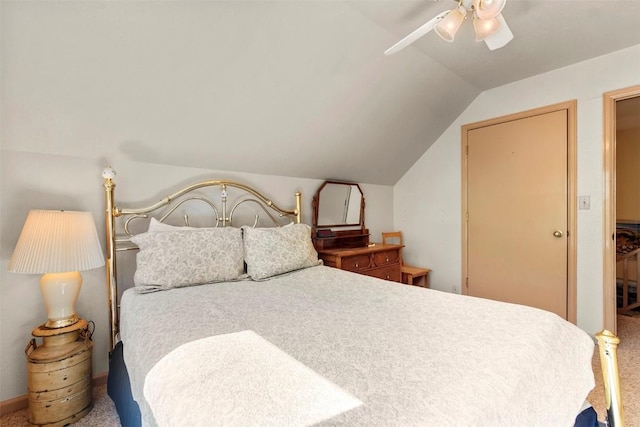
x=179, y=258
x=272, y=251
x=155, y=226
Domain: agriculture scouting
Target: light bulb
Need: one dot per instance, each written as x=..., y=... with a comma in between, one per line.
x=485, y=27
x=488, y=9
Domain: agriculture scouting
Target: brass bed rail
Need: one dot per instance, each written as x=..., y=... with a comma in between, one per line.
x=223, y=218
x=608, y=349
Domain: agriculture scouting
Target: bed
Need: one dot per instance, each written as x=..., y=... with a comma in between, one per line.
x=275, y=338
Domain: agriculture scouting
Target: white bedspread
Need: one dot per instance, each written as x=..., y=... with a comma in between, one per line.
x=413, y=356
x=245, y=381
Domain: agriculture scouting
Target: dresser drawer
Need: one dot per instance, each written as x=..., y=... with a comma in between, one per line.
x=356, y=262
x=377, y=260
x=387, y=273
x=386, y=258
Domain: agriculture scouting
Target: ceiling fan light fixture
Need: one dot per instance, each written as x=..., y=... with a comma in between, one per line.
x=448, y=27
x=488, y=23
x=485, y=27
x=501, y=37
x=488, y=9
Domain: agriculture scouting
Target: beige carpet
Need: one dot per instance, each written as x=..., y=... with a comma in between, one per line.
x=104, y=414
x=629, y=365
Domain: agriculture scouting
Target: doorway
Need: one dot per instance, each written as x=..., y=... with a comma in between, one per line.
x=518, y=188
x=610, y=99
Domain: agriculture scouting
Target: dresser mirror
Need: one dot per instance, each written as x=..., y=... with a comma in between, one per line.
x=338, y=216
x=339, y=205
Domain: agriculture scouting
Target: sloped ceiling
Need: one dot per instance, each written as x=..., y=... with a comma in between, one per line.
x=294, y=88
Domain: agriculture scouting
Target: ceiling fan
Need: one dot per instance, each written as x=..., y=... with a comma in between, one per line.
x=488, y=23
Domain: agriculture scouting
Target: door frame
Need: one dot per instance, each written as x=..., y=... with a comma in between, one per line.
x=609, y=99
x=571, y=109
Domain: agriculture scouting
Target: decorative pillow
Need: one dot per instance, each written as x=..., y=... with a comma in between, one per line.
x=178, y=258
x=272, y=251
x=155, y=226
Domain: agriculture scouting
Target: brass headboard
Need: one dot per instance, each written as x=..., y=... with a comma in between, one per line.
x=117, y=242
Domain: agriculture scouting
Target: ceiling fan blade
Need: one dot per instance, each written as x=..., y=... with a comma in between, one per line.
x=501, y=37
x=421, y=31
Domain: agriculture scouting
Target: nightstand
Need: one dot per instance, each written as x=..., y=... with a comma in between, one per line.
x=59, y=374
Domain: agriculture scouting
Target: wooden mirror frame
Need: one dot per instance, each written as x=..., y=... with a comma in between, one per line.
x=333, y=236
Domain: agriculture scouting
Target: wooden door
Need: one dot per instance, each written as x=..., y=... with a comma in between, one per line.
x=517, y=211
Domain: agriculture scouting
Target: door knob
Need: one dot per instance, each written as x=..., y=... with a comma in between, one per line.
x=557, y=233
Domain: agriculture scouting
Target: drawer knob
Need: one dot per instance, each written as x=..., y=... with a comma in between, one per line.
x=357, y=265
x=387, y=259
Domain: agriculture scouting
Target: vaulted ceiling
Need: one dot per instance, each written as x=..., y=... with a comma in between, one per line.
x=294, y=88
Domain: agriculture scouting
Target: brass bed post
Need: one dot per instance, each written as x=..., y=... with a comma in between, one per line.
x=608, y=349
x=298, y=207
x=112, y=285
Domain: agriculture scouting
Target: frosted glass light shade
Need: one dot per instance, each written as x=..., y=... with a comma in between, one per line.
x=501, y=37
x=58, y=244
x=488, y=9
x=485, y=27
x=448, y=27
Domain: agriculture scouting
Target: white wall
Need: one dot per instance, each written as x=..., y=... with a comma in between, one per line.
x=44, y=181
x=427, y=198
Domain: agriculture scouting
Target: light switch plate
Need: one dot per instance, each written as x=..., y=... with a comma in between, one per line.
x=584, y=202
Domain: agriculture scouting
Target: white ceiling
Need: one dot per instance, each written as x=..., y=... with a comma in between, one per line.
x=294, y=88
x=548, y=34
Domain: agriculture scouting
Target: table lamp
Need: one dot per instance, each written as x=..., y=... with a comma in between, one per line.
x=58, y=245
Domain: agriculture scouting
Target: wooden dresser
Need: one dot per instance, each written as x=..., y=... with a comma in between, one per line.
x=381, y=261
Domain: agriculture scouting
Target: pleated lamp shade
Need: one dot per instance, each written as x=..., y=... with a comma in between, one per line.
x=58, y=244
